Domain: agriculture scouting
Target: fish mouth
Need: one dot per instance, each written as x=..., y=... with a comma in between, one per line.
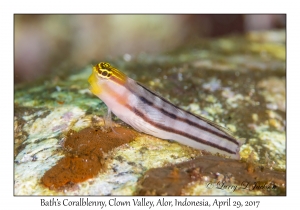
x=94, y=86
x=90, y=80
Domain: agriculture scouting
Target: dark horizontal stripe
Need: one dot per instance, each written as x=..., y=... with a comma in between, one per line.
x=144, y=100
x=172, y=130
x=171, y=115
x=189, y=122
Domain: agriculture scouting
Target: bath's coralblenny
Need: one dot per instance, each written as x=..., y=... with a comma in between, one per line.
x=149, y=113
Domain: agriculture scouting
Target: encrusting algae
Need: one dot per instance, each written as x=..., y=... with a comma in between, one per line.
x=214, y=174
x=85, y=156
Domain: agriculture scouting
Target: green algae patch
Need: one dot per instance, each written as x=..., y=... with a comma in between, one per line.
x=85, y=154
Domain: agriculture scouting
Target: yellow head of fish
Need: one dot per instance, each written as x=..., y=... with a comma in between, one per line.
x=103, y=73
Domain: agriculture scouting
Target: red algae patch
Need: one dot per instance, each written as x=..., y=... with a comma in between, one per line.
x=85, y=152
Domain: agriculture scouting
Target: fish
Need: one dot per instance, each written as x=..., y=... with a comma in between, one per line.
x=149, y=113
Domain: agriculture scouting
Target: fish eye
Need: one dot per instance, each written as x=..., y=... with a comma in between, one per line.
x=104, y=73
